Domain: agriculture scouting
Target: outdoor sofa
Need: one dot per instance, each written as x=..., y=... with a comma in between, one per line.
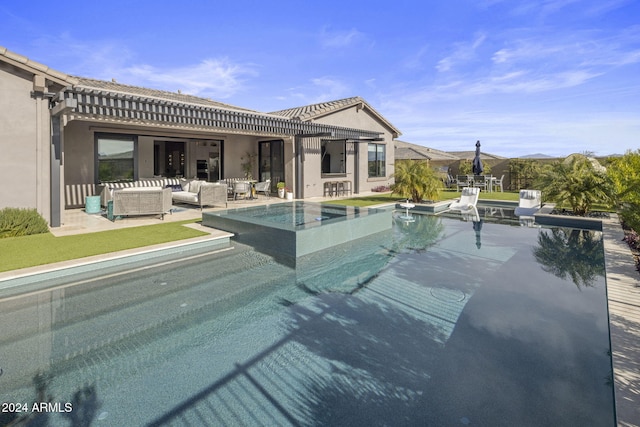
x=200, y=193
x=195, y=192
x=141, y=201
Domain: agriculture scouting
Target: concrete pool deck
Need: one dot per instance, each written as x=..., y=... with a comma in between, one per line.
x=623, y=293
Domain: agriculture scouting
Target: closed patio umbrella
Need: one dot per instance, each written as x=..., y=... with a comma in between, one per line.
x=477, y=163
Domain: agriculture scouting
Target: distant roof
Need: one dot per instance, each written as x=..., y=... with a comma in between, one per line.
x=469, y=155
x=408, y=151
x=315, y=111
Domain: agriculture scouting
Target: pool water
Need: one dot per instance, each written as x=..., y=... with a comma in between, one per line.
x=437, y=321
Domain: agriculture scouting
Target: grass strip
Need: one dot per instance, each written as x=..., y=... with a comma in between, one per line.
x=382, y=198
x=40, y=249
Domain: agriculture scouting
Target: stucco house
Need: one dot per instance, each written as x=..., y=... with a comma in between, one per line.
x=62, y=136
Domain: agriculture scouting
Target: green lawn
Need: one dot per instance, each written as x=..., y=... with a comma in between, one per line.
x=444, y=195
x=40, y=249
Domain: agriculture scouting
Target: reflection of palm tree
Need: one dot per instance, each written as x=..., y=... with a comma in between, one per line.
x=379, y=360
x=574, y=253
x=419, y=234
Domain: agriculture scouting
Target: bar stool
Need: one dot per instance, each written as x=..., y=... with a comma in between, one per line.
x=331, y=187
x=327, y=188
x=346, y=188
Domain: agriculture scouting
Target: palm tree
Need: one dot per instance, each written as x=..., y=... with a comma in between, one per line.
x=416, y=180
x=574, y=182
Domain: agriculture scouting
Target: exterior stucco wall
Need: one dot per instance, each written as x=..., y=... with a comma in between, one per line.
x=79, y=163
x=359, y=119
x=25, y=143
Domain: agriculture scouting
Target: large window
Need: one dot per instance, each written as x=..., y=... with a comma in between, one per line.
x=333, y=157
x=116, y=157
x=377, y=159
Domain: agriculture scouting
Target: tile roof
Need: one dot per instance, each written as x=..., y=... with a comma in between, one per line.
x=305, y=113
x=113, y=86
x=314, y=111
x=36, y=67
x=408, y=151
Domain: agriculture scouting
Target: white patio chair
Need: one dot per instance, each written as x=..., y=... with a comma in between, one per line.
x=241, y=188
x=468, y=199
x=263, y=187
x=498, y=183
x=530, y=202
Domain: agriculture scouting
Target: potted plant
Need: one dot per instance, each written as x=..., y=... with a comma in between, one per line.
x=289, y=193
x=281, y=189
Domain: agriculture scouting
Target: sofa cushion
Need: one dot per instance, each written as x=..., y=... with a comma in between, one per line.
x=184, y=184
x=184, y=196
x=174, y=187
x=194, y=186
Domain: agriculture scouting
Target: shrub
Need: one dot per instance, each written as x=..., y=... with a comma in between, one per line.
x=576, y=183
x=21, y=222
x=416, y=180
x=625, y=175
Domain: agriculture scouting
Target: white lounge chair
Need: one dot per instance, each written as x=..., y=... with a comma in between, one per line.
x=530, y=202
x=468, y=199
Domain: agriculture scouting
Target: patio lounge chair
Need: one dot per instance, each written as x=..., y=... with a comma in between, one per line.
x=468, y=199
x=530, y=203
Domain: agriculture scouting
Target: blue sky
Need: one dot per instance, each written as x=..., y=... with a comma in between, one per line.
x=523, y=77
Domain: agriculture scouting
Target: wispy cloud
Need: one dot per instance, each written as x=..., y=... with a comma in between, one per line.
x=461, y=54
x=340, y=38
x=108, y=59
x=216, y=78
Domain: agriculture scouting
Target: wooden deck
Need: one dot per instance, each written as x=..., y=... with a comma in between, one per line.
x=623, y=291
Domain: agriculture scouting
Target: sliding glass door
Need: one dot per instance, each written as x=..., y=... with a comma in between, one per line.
x=271, y=161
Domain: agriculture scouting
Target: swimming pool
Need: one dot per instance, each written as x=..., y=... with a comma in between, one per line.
x=433, y=322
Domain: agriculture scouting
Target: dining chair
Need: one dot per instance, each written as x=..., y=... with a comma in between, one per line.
x=241, y=188
x=263, y=187
x=498, y=183
x=480, y=181
x=463, y=181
